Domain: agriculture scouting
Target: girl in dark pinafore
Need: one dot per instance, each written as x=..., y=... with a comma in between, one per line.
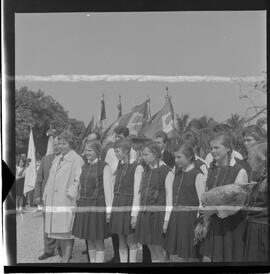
x=120, y=222
x=188, y=185
x=95, y=202
x=256, y=235
x=224, y=241
x=154, y=197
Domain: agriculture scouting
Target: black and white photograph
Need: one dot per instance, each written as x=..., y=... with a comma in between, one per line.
x=141, y=138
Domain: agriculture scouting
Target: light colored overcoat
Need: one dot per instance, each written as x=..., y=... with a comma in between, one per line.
x=59, y=208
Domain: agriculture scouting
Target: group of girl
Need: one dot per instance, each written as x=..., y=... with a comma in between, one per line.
x=153, y=205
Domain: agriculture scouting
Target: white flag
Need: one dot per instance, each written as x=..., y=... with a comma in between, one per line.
x=30, y=172
x=50, y=146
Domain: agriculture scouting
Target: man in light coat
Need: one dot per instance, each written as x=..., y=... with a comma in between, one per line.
x=60, y=194
x=41, y=180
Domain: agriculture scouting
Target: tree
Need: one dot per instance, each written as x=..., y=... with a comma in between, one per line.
x=203, y=136
x=182, y=122
x=235, y=121
x=258, y=111
x=77, y=128
x=200, y=123
x=40, y=111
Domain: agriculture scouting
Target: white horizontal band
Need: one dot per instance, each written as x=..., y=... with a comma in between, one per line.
x=137, y=208
x=139, y=78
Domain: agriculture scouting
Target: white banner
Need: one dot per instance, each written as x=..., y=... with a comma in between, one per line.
x=31, y=172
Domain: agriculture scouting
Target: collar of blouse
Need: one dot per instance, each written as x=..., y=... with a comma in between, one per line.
x=93, y=162
x=161, y=163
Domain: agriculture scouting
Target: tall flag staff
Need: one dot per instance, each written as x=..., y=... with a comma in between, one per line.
x=102, y=117
x=168, y=97
x=119, y=106
x=149, y=112
x=102, y=113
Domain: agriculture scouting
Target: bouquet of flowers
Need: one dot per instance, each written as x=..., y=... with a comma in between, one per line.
x=228, y=198
x=227, y=195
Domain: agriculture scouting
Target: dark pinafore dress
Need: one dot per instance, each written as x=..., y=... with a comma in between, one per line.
x=224, y=242
x=120, y=222
x=149, y=227
x=256, y=234
x=89, y=224
x=180, y=232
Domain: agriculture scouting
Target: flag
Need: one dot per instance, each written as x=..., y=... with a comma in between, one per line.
x=135, y=118
x=102, y=117
x=30, y=172
x=102, y=113
x=51, y=133
x=119, y=106
x=50, y=145
x=69, y=127
x=88, y=130
x=109, y=130
x=163, y=120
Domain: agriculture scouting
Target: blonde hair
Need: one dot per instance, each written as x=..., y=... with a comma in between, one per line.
x=68, y=137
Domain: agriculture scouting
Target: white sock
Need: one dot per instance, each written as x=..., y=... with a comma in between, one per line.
x=133, y=255
x=123, y=255
x=99, y=256
x=92, y=255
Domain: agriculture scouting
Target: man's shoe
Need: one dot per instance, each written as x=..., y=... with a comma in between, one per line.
x=45, y=256
x=59, y=251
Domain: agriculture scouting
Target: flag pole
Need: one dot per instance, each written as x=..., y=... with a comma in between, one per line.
x=119, y=107
x=167, y=93
x=149, y=112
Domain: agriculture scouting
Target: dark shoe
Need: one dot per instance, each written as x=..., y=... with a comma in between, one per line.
x=84, y=252
x=59, y=251
x=113, y=260
x=45, y=256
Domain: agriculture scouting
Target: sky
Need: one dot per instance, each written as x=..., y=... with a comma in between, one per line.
x=222, y=43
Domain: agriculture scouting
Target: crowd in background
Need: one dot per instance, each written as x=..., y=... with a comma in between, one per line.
x=149, y=193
